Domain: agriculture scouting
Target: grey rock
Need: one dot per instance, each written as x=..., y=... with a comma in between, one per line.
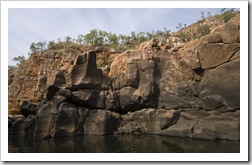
x=90, y=98
x=55, y=82
x=85, y=75
x=18, y=127
x=231, y=32
x=100, y=122
x=147, y=121
x=204, y=125
x=44, y=120
x=65, y=123
x=221, y=86
x=26, y=108
x=129, y=101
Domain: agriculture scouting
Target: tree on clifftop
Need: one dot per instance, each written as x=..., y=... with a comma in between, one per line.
x=19, y=59
x=33, y=47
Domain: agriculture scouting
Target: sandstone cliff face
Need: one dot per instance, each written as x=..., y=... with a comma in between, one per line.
x=189, y=90
x=32, y=74
x=33, y=77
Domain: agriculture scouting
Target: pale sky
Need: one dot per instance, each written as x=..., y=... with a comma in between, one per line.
x=33, y=25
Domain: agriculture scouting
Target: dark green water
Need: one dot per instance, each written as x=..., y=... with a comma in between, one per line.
x=120, y=143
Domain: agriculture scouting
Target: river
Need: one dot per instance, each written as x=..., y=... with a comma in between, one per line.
x=142, y=143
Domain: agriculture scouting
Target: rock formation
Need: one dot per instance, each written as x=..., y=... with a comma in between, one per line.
x=188, y=90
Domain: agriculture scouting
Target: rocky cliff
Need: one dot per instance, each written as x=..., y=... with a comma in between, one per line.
x=190, y=89
x=28, y=82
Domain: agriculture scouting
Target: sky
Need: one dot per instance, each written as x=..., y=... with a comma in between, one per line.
x=27, y=25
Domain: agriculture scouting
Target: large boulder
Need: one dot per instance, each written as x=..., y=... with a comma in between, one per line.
x=98, y=122
x=211, y=38
x=44, y=120
x=112, y=100
x=10, y=121
x=24, y=126
x=129, y=100
x=168, y=100
x=221, y=86
x=18, y=127
x=231, y=31
x=55, y=82
x=90, y=98
x=66, y=120
x=26, y=108
x=217, y=129
x=133, y=73
x=176, y=79
x=183, y=128
x=213, y=55
x=30, y=122
x=57, y=101
x=147, y=121
x=221, y=46
x=83, y=74
x=205, y=125
x=124, y=69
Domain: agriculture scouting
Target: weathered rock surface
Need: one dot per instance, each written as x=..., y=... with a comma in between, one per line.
x=147, y=121
x=55, y=82
x=100, y=122
x=188, y=90
x=205, y=125
x=84, y=74
x=27, y=108
x=221, y=86
x=43, y=120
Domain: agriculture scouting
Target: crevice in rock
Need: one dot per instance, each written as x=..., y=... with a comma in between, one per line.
x=233, y=55
x=223, y=63
x=199, y=71
x=174, y=120
x=192, y=130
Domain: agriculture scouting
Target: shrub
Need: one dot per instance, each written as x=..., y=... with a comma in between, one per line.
x=184, y=37
x=203, y=29
x=227, y=15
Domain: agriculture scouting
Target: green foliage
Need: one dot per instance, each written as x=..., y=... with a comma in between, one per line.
x=119, y=42
x=209, y=14
x=11, y=69
x=80, y=39
x=101, y=38
x=184, y=36
x=202, y=15
x=105, y=61
x=33, y=47
x=227, y=14
x=112, y=39
x=51, y=45
x=203, y=29
x=179, y=26
x=19, y=59
x=40, y=46
x=68, y=39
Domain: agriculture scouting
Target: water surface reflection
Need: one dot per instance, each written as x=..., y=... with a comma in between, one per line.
x=120, y=143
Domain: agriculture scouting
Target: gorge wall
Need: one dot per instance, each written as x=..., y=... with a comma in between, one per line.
x=188, y=90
